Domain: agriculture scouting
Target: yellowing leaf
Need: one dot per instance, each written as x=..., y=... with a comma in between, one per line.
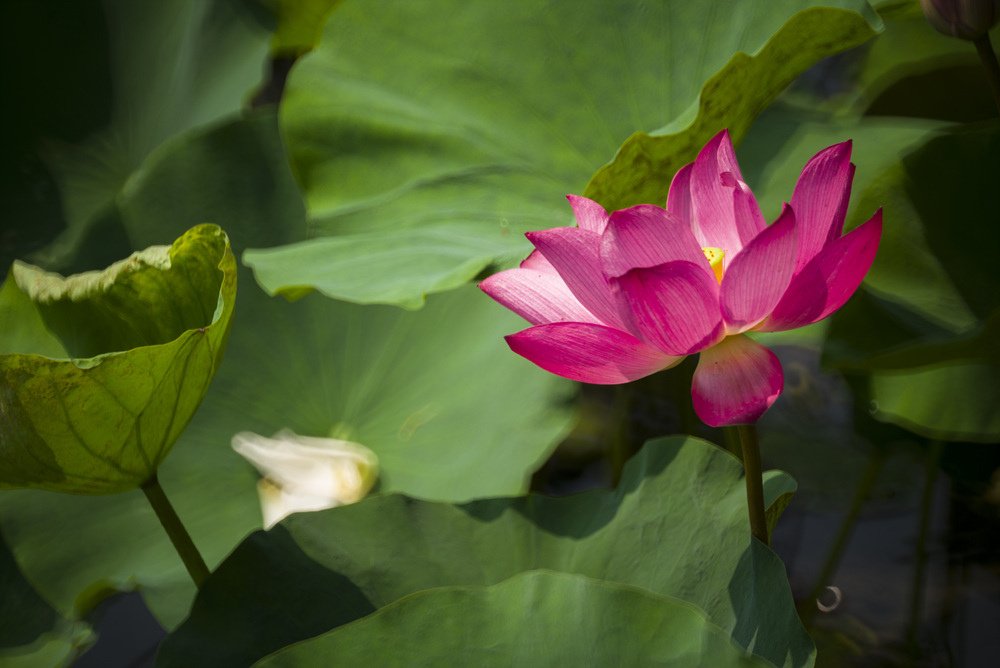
x=140, y=343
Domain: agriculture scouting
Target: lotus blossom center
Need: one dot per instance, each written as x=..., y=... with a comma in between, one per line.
x=715, y=257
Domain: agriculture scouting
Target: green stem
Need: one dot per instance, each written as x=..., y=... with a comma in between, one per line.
x=931, y=462
x=868, y=480
x=620, y=439
x=754, y=481
x=175, y=530
x=990, y=64
x=731, y=443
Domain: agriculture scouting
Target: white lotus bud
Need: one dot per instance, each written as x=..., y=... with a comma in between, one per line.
x=302, y=473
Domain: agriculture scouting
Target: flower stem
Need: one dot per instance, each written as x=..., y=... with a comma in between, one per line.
x=931, y=463
x=990, y=64
x=754, y=480
x=620, y=439
x=179, y=536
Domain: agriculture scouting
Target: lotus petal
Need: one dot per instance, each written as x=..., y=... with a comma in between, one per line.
x=645, y=236
x=575, y=254
x=758, y=277
x=735, y=382
x=589, y=353
x=589, y=214
x=829, y=280
x=536, y=296
x=675, y=306
x=820, y=199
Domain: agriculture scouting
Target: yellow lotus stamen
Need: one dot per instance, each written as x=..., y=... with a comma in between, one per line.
x=715, y=257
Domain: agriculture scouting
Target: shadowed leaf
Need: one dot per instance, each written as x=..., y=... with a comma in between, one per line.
x=537, y=618
x=676, y=526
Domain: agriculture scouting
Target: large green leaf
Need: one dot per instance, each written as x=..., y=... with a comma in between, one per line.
x=143, y=339
x=451, y=414
x=424, y=159
x=536, y=618
x=379, y=268
x=171, y=66
x=676, y=526
x=234, y=174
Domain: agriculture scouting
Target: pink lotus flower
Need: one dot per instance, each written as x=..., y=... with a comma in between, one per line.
x=626, y=294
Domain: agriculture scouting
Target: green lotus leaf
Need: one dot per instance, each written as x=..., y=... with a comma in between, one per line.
x=537, y=618
x=430, y=155
x=954, y=401
x=676, y=526
x=154, y=70
x=140, y=343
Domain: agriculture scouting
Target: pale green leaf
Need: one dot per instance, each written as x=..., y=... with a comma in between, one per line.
x=142, y=341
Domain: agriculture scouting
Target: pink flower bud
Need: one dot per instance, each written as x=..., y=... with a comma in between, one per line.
x=965, y=19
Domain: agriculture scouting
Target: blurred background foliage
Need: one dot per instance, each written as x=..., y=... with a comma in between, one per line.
x=367, y=156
